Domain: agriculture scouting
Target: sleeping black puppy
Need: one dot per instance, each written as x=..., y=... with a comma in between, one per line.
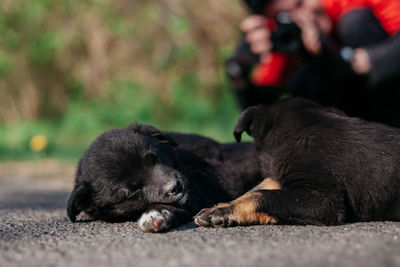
x=328, y=169
x=162, y=179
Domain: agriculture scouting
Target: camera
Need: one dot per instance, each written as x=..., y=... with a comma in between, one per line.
x=287, y=35
x=285, y=38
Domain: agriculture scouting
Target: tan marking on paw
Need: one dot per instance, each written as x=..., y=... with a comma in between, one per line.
x=222, y=205
x=244, y=210
x=267, y=184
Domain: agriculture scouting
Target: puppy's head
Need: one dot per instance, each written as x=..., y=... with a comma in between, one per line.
x=125, y=170
x=257, y=121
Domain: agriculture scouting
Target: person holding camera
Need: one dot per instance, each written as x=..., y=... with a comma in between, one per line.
x=341, y=53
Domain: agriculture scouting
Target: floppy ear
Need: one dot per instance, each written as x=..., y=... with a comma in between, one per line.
x=78, y=201
x=154, y=133
x=244, y=122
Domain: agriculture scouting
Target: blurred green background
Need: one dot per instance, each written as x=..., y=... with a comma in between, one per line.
x=71, y=69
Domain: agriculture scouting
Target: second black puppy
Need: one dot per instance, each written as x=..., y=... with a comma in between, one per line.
x=162, y=179
x=328, y=168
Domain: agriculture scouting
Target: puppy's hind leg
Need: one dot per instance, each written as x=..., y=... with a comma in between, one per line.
x=241, y=211
x=267, y=204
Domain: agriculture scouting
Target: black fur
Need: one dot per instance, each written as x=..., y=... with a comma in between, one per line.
x=126, y=172
x=332, y=168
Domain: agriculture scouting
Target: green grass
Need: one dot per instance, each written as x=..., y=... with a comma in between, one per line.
x=185, y=110
x=48, y=52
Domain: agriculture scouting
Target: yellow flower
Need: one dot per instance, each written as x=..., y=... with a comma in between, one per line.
x=38, y=142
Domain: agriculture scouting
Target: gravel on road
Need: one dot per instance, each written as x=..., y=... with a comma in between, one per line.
x=35, y=231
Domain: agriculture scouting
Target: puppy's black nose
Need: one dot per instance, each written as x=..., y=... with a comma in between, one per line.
x=173, y=187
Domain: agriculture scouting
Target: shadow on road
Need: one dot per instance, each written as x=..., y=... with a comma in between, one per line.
x=39, y=200
x=185, y=227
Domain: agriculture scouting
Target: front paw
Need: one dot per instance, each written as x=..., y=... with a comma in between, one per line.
x=154, y=221
x=218, y=216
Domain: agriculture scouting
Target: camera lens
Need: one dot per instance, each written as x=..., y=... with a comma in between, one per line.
x=284, y=18
x=346, y=53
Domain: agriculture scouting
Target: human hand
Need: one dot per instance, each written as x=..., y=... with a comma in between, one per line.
x=309, y=30
x=361, y=62
x=257, y=35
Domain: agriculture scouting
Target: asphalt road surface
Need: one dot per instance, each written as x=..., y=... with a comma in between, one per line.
x=34, y=231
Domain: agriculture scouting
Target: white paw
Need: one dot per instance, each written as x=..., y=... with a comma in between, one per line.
x=155, y=221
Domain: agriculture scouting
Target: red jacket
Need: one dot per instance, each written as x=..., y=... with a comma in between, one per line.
x=386, y=11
